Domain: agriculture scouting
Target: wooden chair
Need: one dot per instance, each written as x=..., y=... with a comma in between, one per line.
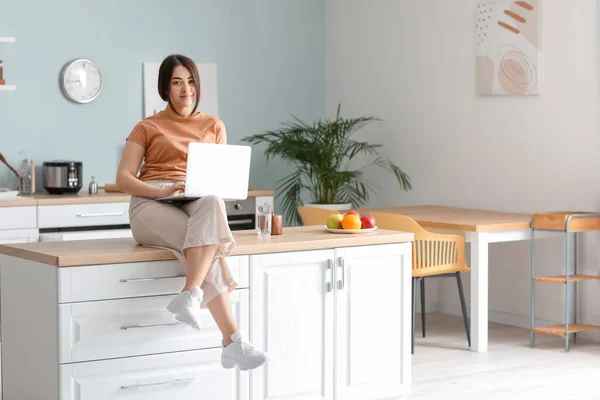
x=434, y=255
x=314, y=215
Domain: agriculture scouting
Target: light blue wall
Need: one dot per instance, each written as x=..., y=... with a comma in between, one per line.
x=269, y=56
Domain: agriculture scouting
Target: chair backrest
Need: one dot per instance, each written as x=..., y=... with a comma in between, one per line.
x=314, y=215
x=433, y=253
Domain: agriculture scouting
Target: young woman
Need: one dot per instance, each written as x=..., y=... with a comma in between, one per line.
x=197, y=232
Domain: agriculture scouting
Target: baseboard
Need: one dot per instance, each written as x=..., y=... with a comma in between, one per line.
x=520, y=321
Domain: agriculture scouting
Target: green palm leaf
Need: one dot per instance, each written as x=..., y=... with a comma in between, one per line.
x=321, y=153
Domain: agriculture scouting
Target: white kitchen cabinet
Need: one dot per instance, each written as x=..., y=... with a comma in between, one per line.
x=293, y=320
x=323, y=317
x=18, y=225
x=189, y=375
x=19, y=236
x=21, y=217
x=332, y=311
x=12, y=218
x=76, y=215
x=370, y=362
x=85, y=235
x=121, y=348
x=128, y=280
x=98, y=330
x=94, y=215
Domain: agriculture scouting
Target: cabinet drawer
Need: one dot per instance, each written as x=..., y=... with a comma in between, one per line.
x=189, y=375
x=69, y=215
x=132, y=327
x=100, y=282
x=18, y=218
x=86, y=235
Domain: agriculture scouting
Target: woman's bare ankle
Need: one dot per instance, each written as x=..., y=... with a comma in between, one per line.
x=227, y=340
x=188, y=287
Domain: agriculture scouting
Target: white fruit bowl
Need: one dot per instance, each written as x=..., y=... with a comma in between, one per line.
x=366, y=230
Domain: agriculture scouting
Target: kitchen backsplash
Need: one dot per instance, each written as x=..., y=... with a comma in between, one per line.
x=7, y=178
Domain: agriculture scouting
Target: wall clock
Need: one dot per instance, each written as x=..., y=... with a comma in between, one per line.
x=81, y=81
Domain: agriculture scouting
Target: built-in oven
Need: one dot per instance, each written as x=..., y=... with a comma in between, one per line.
x=241, y=214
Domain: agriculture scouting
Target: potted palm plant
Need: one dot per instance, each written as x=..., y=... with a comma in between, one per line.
x=322, y=154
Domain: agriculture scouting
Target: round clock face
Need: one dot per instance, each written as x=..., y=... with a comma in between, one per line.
x=81, y=81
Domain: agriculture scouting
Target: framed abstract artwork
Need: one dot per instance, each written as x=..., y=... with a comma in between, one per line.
x=508, y=47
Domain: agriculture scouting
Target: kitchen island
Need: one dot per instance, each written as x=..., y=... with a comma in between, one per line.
x=86, y=320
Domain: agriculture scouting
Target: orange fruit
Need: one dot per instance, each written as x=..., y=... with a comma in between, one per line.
x=351, y=221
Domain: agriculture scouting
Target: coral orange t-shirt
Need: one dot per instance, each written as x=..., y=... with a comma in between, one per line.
x=166, y=140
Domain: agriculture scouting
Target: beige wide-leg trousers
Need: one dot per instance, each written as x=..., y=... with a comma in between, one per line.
x=177, y=227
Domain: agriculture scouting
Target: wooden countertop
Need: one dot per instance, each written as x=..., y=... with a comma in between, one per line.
x=44, y=199
x=18, y=202
x=460, y=218
x=114, y=251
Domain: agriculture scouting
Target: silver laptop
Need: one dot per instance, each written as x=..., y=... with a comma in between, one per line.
x=215, y=169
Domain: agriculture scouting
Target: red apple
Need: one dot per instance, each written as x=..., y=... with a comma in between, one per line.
x=367, y=222
x=354, y=212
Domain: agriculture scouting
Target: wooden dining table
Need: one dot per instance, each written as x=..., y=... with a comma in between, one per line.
x=479, y=228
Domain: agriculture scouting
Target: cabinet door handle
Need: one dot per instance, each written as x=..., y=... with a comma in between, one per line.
x=143, y=385
x=329, y=276
x=342, y=280
x=106, y=214
x=150, y=279
x=239, y=222
x=124, y=328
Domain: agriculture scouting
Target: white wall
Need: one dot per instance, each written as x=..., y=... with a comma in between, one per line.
x=412, y=63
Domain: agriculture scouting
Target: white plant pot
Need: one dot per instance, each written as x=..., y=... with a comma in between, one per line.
x=336, y=207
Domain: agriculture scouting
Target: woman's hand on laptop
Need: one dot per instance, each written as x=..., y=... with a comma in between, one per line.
x=173, y=190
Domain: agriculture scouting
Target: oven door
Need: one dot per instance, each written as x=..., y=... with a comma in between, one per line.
x=241, y=214
x=241, y=222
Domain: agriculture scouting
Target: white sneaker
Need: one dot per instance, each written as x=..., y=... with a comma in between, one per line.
x=186, y=307
x=242, y=354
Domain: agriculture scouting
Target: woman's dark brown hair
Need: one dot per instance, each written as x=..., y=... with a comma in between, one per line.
x=165, y=73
